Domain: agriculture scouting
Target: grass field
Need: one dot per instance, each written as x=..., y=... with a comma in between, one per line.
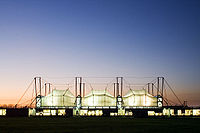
x=99, y=125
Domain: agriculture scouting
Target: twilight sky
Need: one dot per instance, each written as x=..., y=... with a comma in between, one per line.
x=64, y=38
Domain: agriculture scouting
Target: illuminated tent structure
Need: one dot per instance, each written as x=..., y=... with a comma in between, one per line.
x=58, y=98
x=139, y=98
x=62, y=98
x=99, y=98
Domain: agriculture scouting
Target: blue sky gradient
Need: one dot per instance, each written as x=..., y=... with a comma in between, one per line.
x=100, y=38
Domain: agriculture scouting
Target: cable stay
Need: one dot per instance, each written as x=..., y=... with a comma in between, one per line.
x=24, y=93
x=173, y=92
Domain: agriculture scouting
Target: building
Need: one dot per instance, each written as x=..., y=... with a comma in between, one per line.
x=136, y=103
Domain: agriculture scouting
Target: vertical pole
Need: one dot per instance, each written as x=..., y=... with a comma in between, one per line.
x=80, y=85
x=152, y=89
x=145, y=98
x=45, y=89
x=148, y=88
x=121, y=85
x=35, y=91
x=114, y=89
x=117, y=87
x=158, y=86
x=63, y=100
x=35, y=87
x=75, y=86
x=162, y=86
x=40, y=86
x=83, y=89
x=52, y=96
x=49, y=88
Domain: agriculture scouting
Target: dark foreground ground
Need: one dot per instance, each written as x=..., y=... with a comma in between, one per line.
x=100, y=125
